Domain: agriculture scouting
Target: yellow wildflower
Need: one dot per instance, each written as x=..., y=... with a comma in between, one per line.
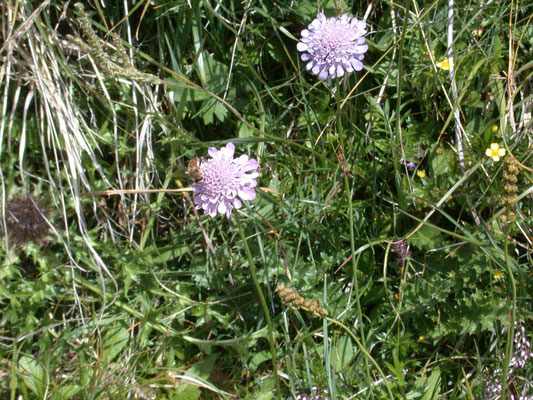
x=421, y=173
x=422, y=337
x=495, y=128
x=495, y=151
x=497, y=274
x=444, y=64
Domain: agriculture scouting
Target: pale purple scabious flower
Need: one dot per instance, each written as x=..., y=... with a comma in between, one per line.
x=225, y=178
x=333, y=46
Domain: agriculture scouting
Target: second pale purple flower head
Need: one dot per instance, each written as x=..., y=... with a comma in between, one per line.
x=333, y=46
x=225, y=180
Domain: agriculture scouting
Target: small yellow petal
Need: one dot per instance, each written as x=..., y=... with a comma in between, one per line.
x=495, y=146
x=496, y=158
x=444, y=64
x=495, y=128
x=501, y=152
x=488, y=152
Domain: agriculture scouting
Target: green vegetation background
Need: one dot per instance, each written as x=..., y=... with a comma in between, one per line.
x=137, y=295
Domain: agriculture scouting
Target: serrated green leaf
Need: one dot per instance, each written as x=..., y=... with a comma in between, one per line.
x=426, y=238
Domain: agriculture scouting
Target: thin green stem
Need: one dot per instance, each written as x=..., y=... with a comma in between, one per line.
x=512, y=319
x=271, y=338
x=398, y=137
x=340, y=133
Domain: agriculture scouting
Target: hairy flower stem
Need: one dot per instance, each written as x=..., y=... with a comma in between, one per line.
x=271, y=339
x=512, y=317
x=340, y=133
x=397, y=136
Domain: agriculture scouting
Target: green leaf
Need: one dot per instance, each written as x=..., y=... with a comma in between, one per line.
x=114, y=342
x=432, y=386
x=202, y=369
x=34, y=375
x=186, y=392
x=259, y=358
x=263, y=395
x=66, y=392
x=426, y=388
x=440, y=164
x=426, y=238
x=213, y=108
x=244, y=131
x=168, y=253
x=342, y=353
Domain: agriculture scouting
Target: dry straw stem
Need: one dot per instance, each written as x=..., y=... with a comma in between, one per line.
x=61, y=129
x=139, y=191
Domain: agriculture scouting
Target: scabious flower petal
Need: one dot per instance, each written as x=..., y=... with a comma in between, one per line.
x=237, y=203
x=301, y=46
x=334, y=46
x=224, y=179
x=247, y=194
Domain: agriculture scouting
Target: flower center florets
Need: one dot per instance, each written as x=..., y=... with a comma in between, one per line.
x=219, y=176
x=331, y=41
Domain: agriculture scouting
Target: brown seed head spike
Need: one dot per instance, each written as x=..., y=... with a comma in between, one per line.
x=290, y=297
